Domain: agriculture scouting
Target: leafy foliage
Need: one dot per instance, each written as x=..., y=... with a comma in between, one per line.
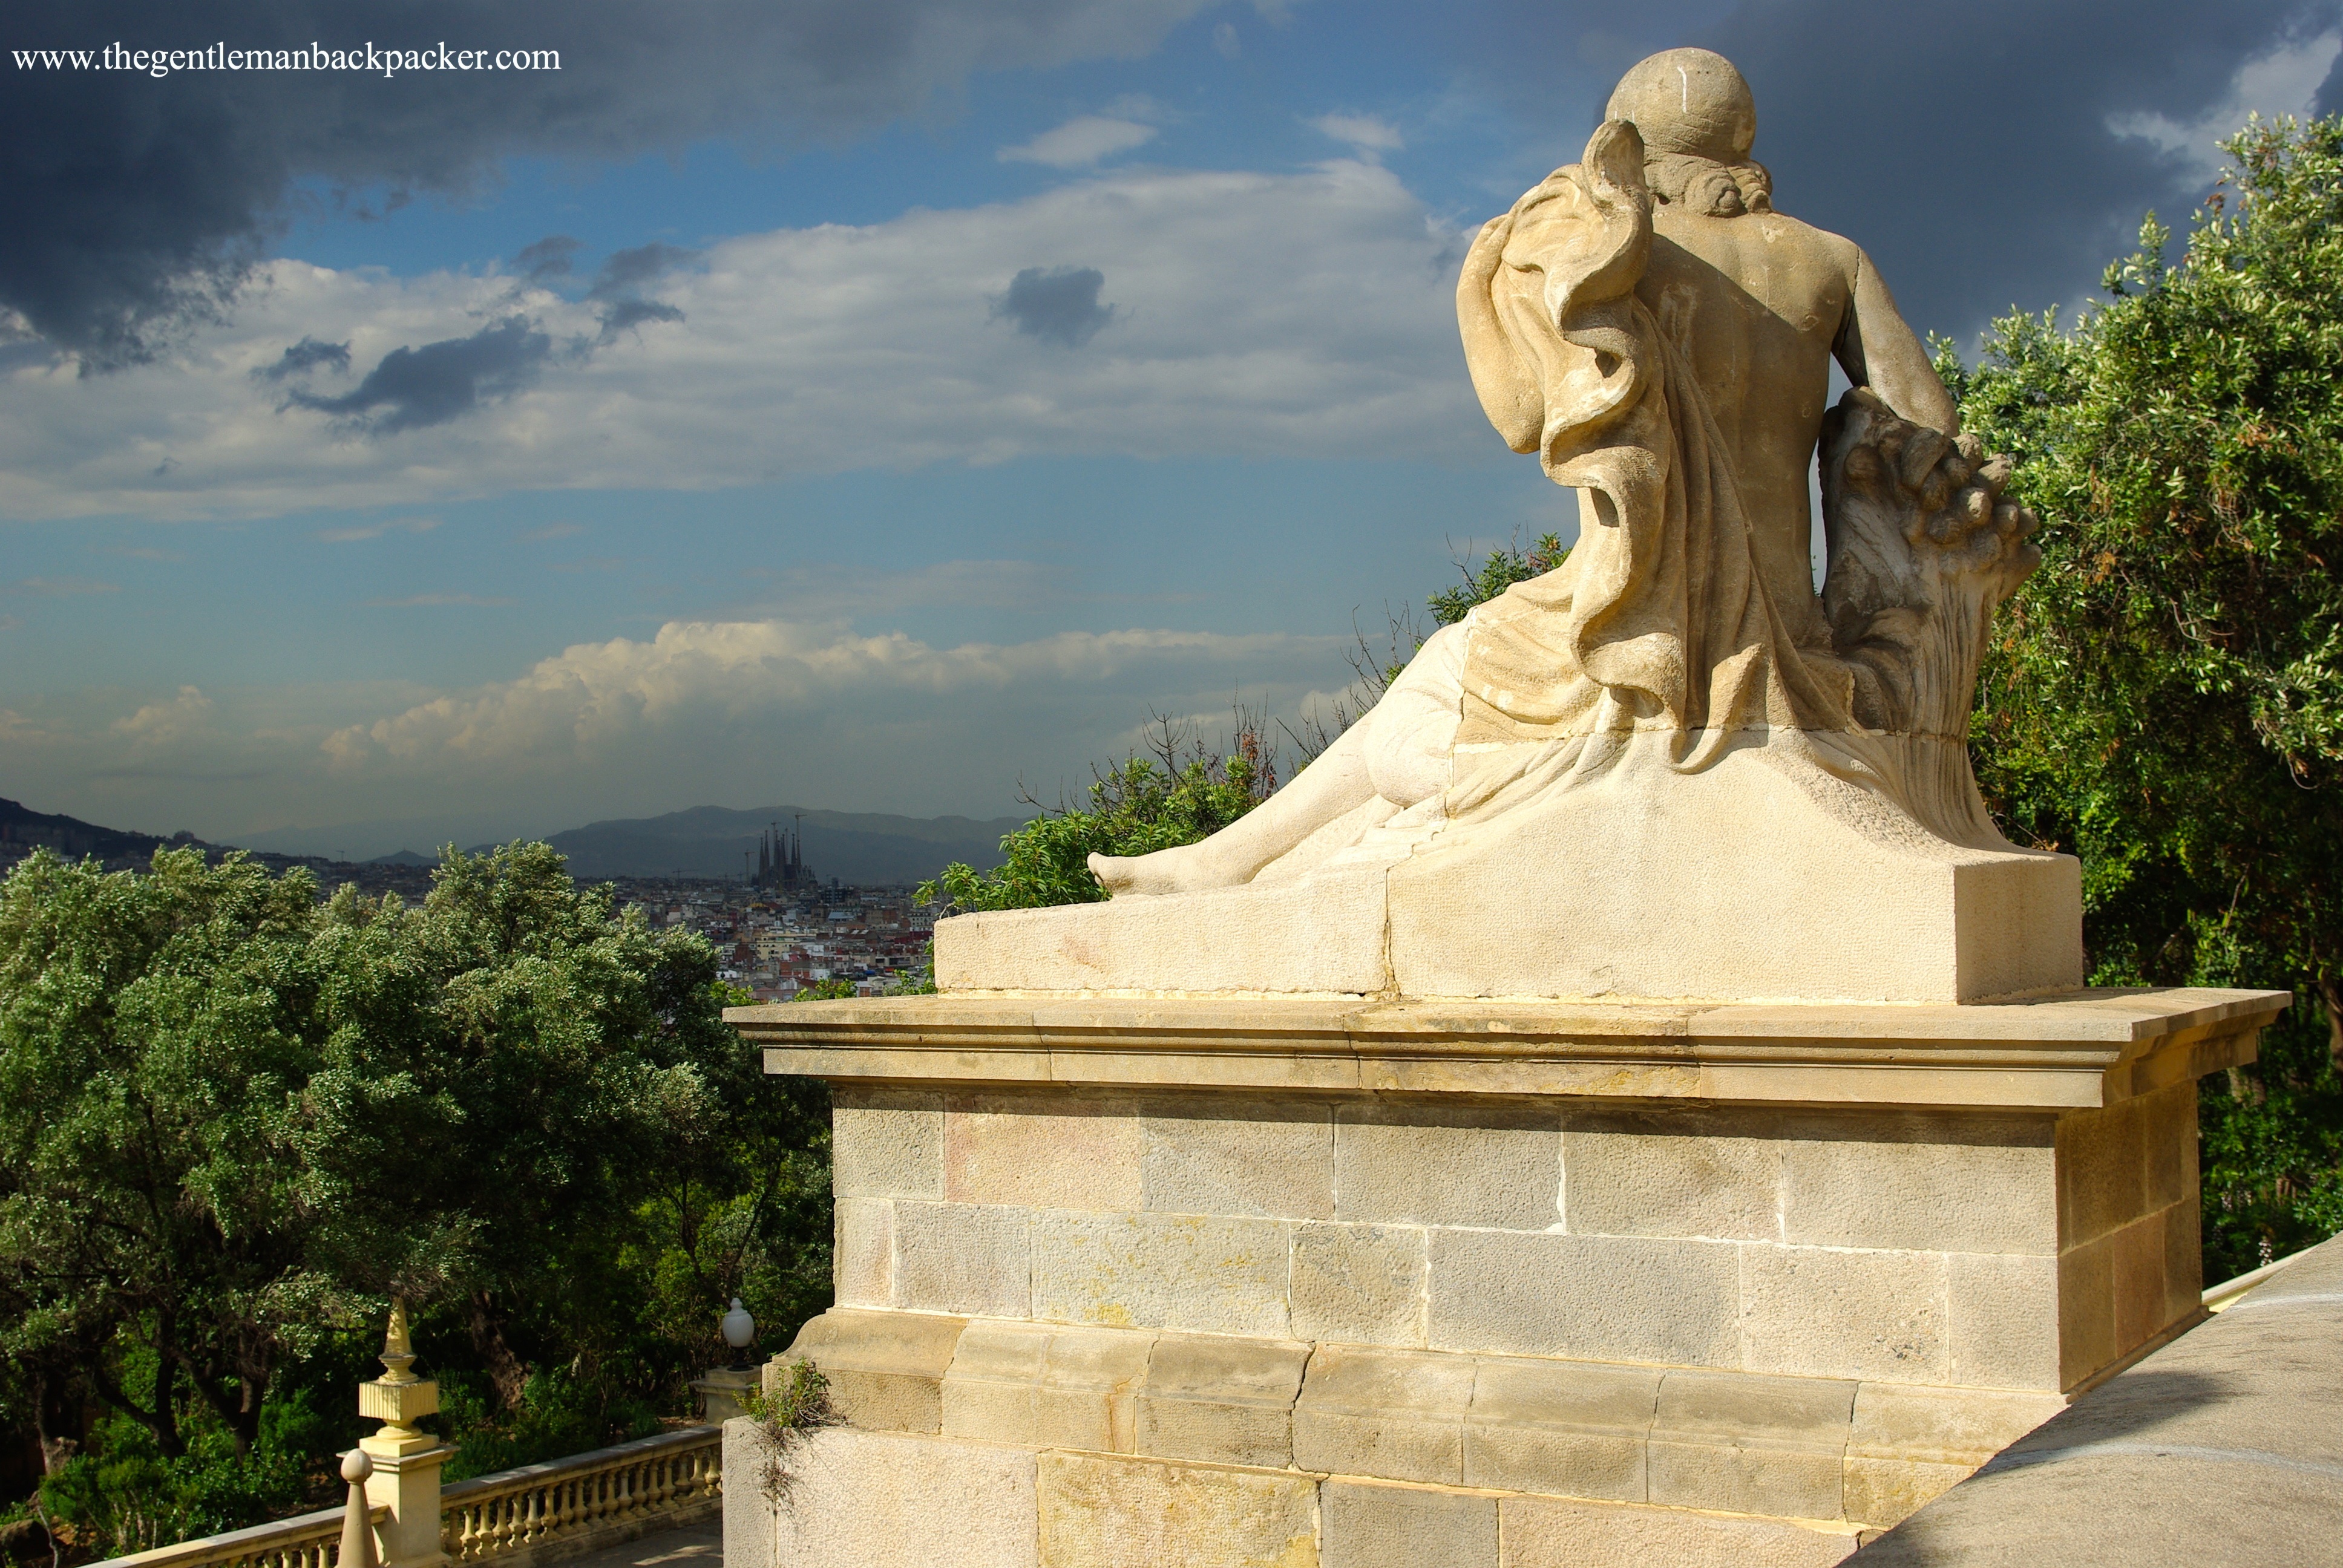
x=1183, y=792
x=244, y=1118
x=2164, y=697
x=1498, y=571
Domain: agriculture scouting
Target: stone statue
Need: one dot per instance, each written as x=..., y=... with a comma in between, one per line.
x=1672, y=725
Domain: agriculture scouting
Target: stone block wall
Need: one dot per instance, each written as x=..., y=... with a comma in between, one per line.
x=2006, y=1250
x=887, y=1500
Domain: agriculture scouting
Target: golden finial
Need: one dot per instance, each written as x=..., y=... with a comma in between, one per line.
x=398, y=1351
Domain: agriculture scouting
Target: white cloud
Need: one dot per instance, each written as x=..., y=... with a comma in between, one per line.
x=595, y=700
x=2283, y=82
x=700, y=712
x=1306, y=314
x=376, y=531
x=161, y=724
x=1365, y=132
x=1080, y=143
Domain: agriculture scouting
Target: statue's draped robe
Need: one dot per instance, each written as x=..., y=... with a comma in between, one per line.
x=1656, y=643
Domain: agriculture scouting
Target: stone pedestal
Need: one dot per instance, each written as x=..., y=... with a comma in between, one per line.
x=1646, y=1282
x=720, y=1391
x=406, y=1461
x=406, y=1480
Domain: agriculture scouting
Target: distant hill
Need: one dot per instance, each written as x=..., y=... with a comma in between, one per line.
x=403, y=857
x=24, y=830
x=857, y=848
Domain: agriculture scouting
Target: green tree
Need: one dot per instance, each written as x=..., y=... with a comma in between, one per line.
x=1499, y=570
x=2164, y=698
x=1183, y=792
x=155, y=1037
x=240, y=1117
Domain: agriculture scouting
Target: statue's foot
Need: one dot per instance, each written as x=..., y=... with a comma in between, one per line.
x=1177, y=870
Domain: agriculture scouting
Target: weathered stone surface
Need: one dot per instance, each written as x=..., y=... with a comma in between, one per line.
x=1359, y=1284
x=2138, y=1264
x=968, y=1258
x=1101, y=1511
x=2184, y=1256
x=748, y=1540
x=862, y=1259
x=887, y=1143
x=2086, y=1319
x=1908, y=1444
x=1220, y=1399
x=1604, y=1298
x=1042, y=1151
x=1818, y=1313
x=1200, y=1273
x=1572, y=1428
x=1247, y=940
x=886, y=1370
x=2103, y=1172
x=1552, y=1532
x=1394, y=1414
x=1980, y=1186
x=2001, y=1317
x=2051, y=1053
x=1363, y=1525
x=1430, y=1164
x=1220, y=1156
x=1652, y=1175
x=1045, y=1386
x=1743, y=1444
x=882, y=1500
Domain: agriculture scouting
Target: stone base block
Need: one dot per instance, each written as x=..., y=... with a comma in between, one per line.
x=885, y=1499
x=1545, y=1532
x=1811, y=1448
x=1628, y=887
x=1101, y=1511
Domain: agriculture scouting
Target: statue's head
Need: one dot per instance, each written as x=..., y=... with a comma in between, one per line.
x=1698, y=120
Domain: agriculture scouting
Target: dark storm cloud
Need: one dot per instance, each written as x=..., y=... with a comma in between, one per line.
x=1966, y=147
x=136, y=205
x=304, y=356
x=630, y=313
x=1060, y=305
x=1963, y=143
x=624, y=271
x=413, y=388
x=547, y=258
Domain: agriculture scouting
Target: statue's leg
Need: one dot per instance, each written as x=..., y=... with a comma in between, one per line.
x=1336, y=781
x=1398, y=749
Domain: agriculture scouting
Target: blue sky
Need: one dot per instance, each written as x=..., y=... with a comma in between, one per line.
x=997, y=379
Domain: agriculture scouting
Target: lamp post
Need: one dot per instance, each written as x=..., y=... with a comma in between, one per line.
x=720, y=1388
x=740, y=1332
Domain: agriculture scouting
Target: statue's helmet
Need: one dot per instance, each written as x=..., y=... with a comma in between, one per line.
x=1690, y=102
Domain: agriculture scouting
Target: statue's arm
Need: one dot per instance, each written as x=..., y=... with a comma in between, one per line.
x=1878, y=351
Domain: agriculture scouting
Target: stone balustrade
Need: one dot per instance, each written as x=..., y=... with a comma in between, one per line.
x=304, y=1541
x=586, y=1500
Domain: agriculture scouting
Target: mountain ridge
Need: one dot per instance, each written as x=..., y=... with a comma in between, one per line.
x=860, y=848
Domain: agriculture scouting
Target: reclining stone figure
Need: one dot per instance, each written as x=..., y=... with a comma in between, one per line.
x=1671, y=734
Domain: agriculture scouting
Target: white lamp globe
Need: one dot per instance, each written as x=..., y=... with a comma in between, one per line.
x=740, y=1328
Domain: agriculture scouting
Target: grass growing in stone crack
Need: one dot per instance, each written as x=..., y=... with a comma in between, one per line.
x=784, y=1416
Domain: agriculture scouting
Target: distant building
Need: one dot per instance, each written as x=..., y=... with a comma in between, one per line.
x=780, y=861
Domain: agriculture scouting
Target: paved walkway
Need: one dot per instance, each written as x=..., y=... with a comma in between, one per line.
x=697, y=1545
x=2225, y=1447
